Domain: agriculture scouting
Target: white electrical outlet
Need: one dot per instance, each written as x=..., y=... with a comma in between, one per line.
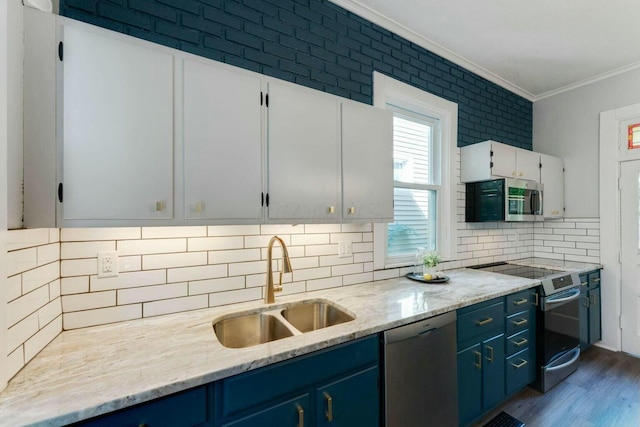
x=345, y=249
x=107, y=264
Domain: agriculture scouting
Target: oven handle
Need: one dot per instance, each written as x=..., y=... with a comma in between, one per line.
x=564, y=365
x=572, y=295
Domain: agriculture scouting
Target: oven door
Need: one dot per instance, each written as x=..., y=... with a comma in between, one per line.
x=561, y=337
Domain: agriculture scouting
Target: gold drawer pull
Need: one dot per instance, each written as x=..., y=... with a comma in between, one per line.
x=484, y=322
x=584, y=283
x=300, y=415
x=519, y=322
x=592, y=299
x=597, y=279
x=478, y=364
x=519, y=365
x=520, y=301
x=520, y=343
x=490, y=358
x=329, y=413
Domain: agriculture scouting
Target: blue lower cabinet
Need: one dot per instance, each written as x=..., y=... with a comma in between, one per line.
x=590, y=310
x=338, y=386
x=469, y=384
x=493, y=372
x=189, y=408
x=519, y=371
x=350, y=401
x=290, y=413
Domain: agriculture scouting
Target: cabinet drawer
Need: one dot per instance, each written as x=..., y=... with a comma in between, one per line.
x=188, y=408
x=518, y=322
x=480, y=321
x=518, y=301
x=519, y=369
x=291, y=413
x=518, y=342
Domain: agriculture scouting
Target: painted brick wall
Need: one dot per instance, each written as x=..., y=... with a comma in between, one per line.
x=316, y=44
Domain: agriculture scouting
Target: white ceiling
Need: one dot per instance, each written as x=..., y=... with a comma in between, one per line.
x=535, y=48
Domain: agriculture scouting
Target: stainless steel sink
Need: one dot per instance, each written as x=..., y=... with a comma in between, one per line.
x=250, y=329
x=309, y=316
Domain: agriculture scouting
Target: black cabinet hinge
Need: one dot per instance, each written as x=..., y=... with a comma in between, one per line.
x=540, y=165
x=490, y=164
x=267, y=100
x=491, y=153
x=60, y=192
x=261, y=95
x=60, y=51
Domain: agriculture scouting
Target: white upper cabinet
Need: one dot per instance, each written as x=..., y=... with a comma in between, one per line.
x=552, y=176
x=117, y=129
x=303, y=154
x=490, y=160
x=367, y=163
x=222, y=143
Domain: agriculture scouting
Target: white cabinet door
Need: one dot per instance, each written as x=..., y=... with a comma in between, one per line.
x=552, y=177
x=503, y=160
x=367, y=163
x=222, y=143
x=527, y=165
x=117, y=147
x=303, y=154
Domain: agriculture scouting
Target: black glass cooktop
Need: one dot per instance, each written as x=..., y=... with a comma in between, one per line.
x=517, y=270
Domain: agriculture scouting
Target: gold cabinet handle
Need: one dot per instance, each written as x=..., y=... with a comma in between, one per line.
x=592, y=299
x=329, y=413
x=351, y=211
x=490, y=358
x=520, y=301
x=520, y=343
x=586, y=301
x=478, y=364
x=300, y=415
x=584, y=283
x=519, y=365
x=519, y=322
x=484, y=322
x=160, y=206
x=597, y=279
x=537, y=301
x=332, y=209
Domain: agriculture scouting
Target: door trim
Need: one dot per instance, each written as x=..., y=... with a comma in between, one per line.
x=611, y=155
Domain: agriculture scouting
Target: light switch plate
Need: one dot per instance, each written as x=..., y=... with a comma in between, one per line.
x=107, y=264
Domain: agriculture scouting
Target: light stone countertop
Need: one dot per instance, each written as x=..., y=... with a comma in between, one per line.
x=88, y=372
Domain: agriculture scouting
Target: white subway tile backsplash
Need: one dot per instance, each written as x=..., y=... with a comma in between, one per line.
x=40, y=276
x=19, y=333
x=232, y=297
x=92, y=234
x=238, y=255
x=151, y=293
x=318, y=250
x=356, y=227
x=48, y=253
x=129, y=280
x=79, y=267
x=215, y=243
x=310, y=239
x=101, y=316
x=43, y=337
x=322, y=228
x=77, y=250
x=151, y=246
x=346, y=237
x=175, y=305
x=307, y=262
x=357, y=278
x=243, y=268
x=233, y=230
x=362, y=247
x=21, y=260
x=26, y=305
x=15, y=361
x=343, y=270
x=79, y=302
x=311, y=273
x=277, y=229
x=330, y=260
x=186, y=274
x=187, y=259
x=14, y=287
x=171, y=232
x=74, y=285
x=332, y=282
x=54, y=235
x=129, y=263
x=27, y=238
x=216, y=285
x=49, y=312
x=262, y=241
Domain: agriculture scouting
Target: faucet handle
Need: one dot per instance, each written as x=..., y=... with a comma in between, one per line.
x=277, y=288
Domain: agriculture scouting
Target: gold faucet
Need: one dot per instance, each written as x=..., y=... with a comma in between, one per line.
x=269, y=294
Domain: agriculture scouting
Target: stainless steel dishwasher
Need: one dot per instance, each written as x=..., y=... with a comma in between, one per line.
x=421, y=373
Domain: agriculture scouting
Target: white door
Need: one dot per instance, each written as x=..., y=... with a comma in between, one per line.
x=222, y=143
x=630, y=255
x=118, y=129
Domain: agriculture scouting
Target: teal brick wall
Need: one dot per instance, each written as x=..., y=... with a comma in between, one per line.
x=316, y=44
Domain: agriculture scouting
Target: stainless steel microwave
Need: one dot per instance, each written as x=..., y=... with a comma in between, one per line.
x=503, y=200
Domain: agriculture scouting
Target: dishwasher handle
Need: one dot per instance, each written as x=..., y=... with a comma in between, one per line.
x=422, y=328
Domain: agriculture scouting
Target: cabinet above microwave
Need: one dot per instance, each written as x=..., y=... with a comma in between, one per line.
x=491, y=160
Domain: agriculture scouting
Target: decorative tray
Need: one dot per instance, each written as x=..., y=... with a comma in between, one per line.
x=444, y=279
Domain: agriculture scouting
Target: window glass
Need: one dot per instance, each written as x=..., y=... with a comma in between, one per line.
x=634, y=136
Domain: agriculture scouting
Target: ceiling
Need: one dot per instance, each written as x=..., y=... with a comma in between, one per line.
x=534, y=48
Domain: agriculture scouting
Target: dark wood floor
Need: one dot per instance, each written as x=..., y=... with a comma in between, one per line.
x=603, y=392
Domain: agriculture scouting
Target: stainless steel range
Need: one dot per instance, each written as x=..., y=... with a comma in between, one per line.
x=558, y=339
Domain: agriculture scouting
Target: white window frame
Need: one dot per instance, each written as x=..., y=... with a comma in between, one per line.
x=390, y=91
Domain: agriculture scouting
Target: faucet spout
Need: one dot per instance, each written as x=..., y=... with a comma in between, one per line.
x=271, y=289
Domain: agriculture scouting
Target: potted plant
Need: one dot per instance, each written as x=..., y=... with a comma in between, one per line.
x=431, y=260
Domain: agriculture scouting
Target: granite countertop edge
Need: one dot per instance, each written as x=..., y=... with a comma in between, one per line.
x=93, y=371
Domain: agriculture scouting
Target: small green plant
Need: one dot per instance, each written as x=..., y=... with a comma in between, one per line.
x=431, y=259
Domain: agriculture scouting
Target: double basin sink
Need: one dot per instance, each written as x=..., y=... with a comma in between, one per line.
x=247, y=329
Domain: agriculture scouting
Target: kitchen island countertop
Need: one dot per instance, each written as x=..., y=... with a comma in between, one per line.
x=89, y=372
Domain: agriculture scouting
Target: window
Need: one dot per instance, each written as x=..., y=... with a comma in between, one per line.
x=425, y=130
